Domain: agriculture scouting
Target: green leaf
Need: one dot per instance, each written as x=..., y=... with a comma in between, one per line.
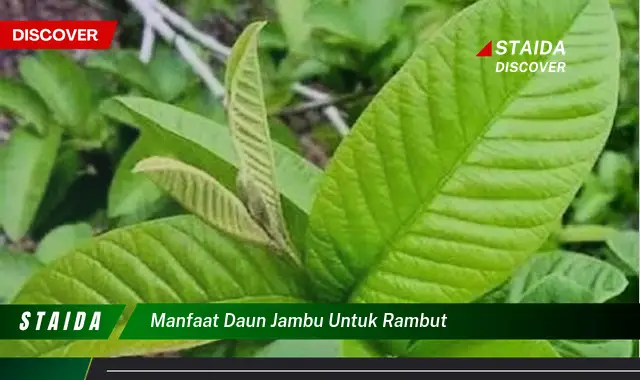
x=250, y=133
x=26, y=171
x=24, y=102
x=614, y=169
x=125, y=65
x=174, y=260
x=63, y=86
x=130, y=193
x=565, y=277
x=455, y=174
x=593, y=201
x=171, y=73
x=301, y=349
x=358, y=349
x=594, y=348
x=291, y=15
x=3, y=158
x=483, y=349
x=201, y=194
x=187, y=134
x=624, y=245
x=67, y=168
x=15, y=269
x=62, y=240
x=368, y=24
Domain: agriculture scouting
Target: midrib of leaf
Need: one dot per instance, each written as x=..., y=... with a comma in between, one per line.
x=404, y=228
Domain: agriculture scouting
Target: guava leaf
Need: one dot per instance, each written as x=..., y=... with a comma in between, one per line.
x=624, y=246
x=129, y=192
x=126, y=66
x=24, y=102
x=62, y=240
x=187, y=134
x=15, y=269
x=291, y=15
x=455, y=173
x=565, y=277
x=63, y=86
x=26, y=169
x=483, y=349
x=173, y=260
x=301, y=349
x=201, y=194
x=594, y=348
x=250, y=134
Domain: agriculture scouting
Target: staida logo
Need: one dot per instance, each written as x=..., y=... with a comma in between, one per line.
x=524, y=48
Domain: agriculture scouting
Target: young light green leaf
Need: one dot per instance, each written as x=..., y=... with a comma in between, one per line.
x=189, y=135
x=624, y=245
x=454, y=173
x=594, y=348
x=565, y=277
x=251, y=138
x=26, y=171
x=201, y=194
x=174, y=260
x=483, y=349
x=62, y=240
x=15, y=269
x=24, y=102
x=63, y=86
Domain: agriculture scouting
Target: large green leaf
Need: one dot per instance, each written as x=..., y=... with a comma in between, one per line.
x=250, y=134
x=188, y=134
x=201, y=194
x=483, y=349
x=455, y=173
x=24, y=102
x=63, y=86
x=178, y=259
x=565, y=277
x=26, y=170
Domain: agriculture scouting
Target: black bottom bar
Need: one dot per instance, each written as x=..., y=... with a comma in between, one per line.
x=337, y=369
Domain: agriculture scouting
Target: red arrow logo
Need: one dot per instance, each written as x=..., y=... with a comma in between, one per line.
x=487, y=50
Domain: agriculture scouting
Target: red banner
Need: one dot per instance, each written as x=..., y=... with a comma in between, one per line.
x=62, y=35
